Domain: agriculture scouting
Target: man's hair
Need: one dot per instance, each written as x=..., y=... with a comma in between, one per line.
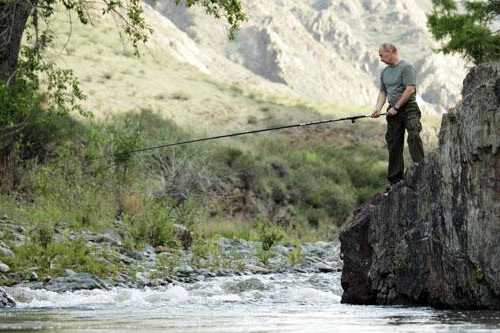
x=389, y=47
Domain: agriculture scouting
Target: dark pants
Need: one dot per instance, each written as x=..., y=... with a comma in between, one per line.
x=407, y=118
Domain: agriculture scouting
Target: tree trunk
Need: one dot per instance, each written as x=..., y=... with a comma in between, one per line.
x=13, y=17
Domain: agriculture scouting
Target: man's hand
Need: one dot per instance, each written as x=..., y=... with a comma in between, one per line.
x=392, y=112
x=375, y=114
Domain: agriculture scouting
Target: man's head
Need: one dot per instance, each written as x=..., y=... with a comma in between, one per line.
x=388, y=54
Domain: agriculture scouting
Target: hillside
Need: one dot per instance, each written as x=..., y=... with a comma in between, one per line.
x=324, y=50
x=185, y=82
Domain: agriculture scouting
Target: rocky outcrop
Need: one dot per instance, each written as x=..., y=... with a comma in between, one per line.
x=435, y=239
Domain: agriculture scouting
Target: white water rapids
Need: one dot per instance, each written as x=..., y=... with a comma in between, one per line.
x=265, y=303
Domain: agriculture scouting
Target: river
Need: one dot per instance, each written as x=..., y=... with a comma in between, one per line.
x=260, y=303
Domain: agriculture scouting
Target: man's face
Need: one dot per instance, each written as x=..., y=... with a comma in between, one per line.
x=385, y=56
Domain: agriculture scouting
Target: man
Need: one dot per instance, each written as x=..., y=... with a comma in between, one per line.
x=398, y=86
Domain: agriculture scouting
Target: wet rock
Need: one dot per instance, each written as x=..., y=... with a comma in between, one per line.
x=20, y=294
x=244, y=285
x=257, y=269
x=225, y=272
x=434, y=240
x=75, y=281
x=324, y=268
x=5, y=300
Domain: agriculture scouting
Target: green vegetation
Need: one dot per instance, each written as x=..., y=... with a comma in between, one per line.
x=303, y=182
x=295, y=255
x=88, y=180
x=468, y=30
x=54, y=257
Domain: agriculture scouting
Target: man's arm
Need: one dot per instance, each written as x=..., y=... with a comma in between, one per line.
x=409, y=78
x=410, y=90
x=380, y=104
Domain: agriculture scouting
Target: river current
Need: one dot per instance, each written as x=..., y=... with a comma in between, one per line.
x=259, y=303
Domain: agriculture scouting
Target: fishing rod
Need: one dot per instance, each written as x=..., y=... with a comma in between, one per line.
x=319, y=122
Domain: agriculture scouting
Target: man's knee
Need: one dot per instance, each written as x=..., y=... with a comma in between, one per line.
x=413, y=127
x=413, y=136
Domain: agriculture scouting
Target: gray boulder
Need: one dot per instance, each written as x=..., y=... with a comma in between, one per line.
x=74, y=281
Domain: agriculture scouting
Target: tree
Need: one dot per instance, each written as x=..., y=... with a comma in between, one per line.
x=23, y=120
x=18, y=15
x=469, y=30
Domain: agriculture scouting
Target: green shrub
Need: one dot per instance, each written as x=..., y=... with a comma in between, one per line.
x=295, y=256
x=53, y=257
x=207, y=253
x=27, y=130
x=270, y=235
x=264, y=255
x=153, y=225
x=165, y=265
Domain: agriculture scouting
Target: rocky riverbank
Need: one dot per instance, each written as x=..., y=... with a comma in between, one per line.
x=434, y=240
x=160, y=266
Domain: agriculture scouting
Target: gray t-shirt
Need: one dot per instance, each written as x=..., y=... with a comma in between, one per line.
x=395, y=78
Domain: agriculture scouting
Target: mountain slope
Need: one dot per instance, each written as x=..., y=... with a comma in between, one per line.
x=327, y=50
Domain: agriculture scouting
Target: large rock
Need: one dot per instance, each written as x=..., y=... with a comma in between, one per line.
x=5, y=300
x=435, y=239
x=73, y=281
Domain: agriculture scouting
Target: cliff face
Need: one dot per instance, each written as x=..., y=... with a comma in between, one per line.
x=435, y=239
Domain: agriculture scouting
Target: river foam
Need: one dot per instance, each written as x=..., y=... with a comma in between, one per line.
x=269, y=289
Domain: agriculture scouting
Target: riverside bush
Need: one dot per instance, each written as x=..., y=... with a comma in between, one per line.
x=27, y=131
x=53, y=257
x=295, y=256
x=270, y=235
x=153, y=225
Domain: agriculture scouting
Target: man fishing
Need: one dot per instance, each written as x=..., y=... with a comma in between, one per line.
x=398, y=86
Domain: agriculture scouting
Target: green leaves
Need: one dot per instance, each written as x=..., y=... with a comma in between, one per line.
x=444, y=5
x=230, y=9
x=467, y=32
